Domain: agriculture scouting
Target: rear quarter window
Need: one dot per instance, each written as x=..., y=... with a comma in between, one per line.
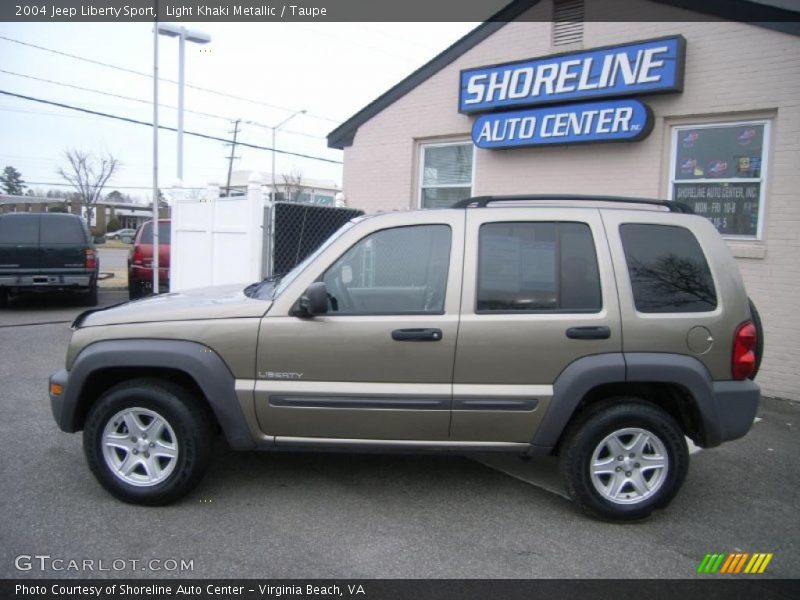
x=668, y=270
x=19, y=229
x=62, y=229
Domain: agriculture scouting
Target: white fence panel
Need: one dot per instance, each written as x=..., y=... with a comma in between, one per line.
x=216, y=241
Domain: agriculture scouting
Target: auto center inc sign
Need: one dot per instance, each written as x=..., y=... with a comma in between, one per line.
x=560, y=83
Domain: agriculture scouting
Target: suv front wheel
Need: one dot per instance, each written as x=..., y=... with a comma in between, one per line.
x=624, y=458
x=148, y=441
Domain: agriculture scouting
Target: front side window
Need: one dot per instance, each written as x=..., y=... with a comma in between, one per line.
x=542, y=266
x=446, y=174
x=668, y=270
x=719, y=170
x=393, y=271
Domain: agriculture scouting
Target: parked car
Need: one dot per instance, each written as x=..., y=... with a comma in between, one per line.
x=140, y=260
x=601, y=330
x=47, y=252
x=124, y=235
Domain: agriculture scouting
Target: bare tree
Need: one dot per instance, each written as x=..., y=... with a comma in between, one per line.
x=88, y=175
x=293, y=185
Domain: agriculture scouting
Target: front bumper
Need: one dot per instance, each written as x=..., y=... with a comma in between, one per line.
x=61, y=404
x=735, y=404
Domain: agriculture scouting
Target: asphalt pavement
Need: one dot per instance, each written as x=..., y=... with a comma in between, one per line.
x=113, y=258
x=293, y=514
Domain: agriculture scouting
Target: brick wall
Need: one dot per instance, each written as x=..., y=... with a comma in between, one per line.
x=733, y=71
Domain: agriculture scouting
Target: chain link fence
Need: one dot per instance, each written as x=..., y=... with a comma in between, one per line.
x=299, y=229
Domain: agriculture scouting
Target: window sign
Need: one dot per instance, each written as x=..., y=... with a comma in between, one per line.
x=718, y=170
x=646, y=67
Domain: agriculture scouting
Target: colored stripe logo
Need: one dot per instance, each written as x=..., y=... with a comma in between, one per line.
x=735, y=563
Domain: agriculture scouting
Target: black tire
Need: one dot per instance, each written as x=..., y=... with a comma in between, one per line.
x=189, y=420
x=759, y=337
x=3, y=298
x=585, y=436
x=90, y=297
x=134, y=291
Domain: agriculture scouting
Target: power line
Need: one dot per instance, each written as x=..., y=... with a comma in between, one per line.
x=140, y=100
x=111, y=94
x=112, y=187
x=167, y=128
x=149, y=76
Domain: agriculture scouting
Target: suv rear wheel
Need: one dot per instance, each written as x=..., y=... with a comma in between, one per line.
x=148, y=442
x=623, y=459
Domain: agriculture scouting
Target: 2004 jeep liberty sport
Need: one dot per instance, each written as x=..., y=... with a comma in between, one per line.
x=602, y=330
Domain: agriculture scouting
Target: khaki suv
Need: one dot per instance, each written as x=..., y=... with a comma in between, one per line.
x=602, y=330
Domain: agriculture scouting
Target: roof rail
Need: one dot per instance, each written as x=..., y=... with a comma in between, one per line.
x=483, y=201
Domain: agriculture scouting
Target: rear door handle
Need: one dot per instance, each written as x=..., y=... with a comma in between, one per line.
x=417, y=335
x=589, y=333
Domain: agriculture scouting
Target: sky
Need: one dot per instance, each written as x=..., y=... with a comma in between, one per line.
x=331, y=70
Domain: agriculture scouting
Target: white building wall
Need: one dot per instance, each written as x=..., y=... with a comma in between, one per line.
x=733, y=71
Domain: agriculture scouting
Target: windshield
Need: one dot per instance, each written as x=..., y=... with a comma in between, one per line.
x=274, y=285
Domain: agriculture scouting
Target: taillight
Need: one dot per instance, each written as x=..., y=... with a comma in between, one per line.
x=91, y=258
x=137, y=255
x=743, y=362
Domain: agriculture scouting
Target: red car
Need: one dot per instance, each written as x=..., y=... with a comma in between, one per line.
x=140, y=260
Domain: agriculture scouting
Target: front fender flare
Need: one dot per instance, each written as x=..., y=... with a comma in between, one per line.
x=199, y=362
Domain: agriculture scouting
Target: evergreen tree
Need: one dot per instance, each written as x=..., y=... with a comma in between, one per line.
x=12, y=182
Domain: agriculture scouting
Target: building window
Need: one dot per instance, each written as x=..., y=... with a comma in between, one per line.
x=446, y=174
x=568, y=18
x=719, y=170
x=526, y=266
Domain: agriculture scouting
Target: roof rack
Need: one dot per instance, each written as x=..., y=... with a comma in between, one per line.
x=483, y=201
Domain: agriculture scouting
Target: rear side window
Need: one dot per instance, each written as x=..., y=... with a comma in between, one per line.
x=57, y=229
x=525, y=266
x=163, y=233
x=19, y=229
x=668, y=270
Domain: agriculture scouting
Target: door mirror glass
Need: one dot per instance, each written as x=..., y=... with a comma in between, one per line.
x=314, y=301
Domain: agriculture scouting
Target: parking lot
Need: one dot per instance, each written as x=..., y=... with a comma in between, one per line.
x=345, y=515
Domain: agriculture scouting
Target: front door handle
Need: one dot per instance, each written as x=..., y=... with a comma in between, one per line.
x=589, y=333
x=417, y=335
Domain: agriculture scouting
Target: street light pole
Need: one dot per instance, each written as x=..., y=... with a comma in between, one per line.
x=181, y=80
x=154, y=262
x=274, y=130
x=183, y=35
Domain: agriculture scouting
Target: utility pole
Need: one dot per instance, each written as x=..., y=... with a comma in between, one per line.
x=233, y=156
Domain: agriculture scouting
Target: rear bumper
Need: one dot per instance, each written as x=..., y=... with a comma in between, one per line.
x=735, y=404
x=31, y=281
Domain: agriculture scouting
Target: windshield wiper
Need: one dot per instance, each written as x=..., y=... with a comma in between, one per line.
x=252, y=290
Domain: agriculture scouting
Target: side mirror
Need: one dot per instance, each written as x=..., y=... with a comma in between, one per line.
x=314, y=301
